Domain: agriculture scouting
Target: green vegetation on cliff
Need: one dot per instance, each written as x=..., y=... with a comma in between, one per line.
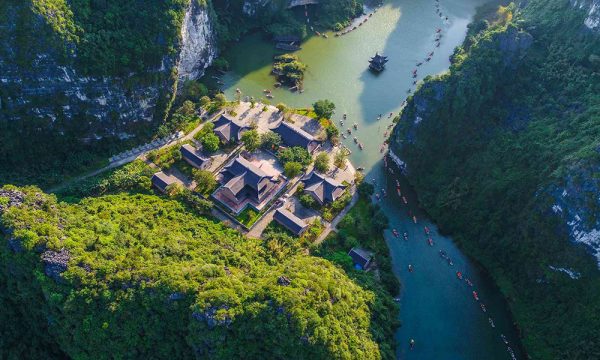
x=139, y=276
x=112, y=36
x=275, y=18
x=289, y=69
x=484, y=143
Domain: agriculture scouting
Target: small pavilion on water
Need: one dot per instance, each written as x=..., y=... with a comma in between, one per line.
x=377, y=62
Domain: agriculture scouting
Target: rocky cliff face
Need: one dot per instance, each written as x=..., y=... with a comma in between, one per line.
x=592, y=7
x=199, y=46
x=576, y=203
x=50, y=88
x=574, y=198
x=504, y=151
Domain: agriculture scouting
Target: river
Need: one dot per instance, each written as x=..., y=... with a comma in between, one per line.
x=437, y=310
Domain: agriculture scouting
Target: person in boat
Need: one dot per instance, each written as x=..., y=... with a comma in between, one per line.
x=430, y=241
x=475, y=296
x=459, y=275
x=483, y=307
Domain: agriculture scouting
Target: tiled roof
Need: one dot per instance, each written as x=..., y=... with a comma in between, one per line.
x=245, y=180
x=290, y=221
x=324, y=189
x=291, y=135
x=162, y=180
x=192, y=155
x=360, y=256
x=228, y=128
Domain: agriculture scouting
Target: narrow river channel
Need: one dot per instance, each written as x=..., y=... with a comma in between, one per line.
x=437, y=310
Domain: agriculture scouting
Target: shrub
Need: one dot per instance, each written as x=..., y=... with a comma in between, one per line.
x=205, y=181
x=292, y=169
x=339, y=160
x=251, y=140
x=322, y=164
x=324, y=108
x=308, y=201
x=211, y=142
x=270, y=140
x=295, y=154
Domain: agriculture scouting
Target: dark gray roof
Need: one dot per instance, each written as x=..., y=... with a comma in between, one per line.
x=192, y=155
x=290, y=221
x=229, y=129
x=379, y=59
x=324, y=189
x=162, y=180
x=241, y=174
x=360, y=256
x=291, y=135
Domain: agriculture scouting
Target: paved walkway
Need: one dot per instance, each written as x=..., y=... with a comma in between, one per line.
x=127, y=160
x=339, y=217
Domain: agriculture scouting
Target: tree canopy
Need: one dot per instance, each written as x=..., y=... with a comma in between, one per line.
x=324, y=108
x=497, y=142
x=140, y=276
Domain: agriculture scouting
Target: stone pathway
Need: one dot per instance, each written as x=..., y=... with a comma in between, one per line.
x=339, y=217
x=142, y=155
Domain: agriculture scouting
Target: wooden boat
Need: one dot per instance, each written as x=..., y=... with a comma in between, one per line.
x=287, y=47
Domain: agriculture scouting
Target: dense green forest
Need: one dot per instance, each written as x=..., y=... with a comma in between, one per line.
x=124, y=39
x=516, y=115
x=128, y=40
x=139, y=276
x=274, y=18
x=113, y=37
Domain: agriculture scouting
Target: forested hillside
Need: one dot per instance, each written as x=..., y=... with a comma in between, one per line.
x=139, y=276
x=79, y=78
x=504, y=151
x=83, y=80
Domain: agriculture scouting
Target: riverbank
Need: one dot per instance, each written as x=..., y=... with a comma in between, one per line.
x=518, y=192
x=363, y=228
x=436, y=311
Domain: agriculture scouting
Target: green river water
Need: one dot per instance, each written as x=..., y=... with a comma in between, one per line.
x=437, y=310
